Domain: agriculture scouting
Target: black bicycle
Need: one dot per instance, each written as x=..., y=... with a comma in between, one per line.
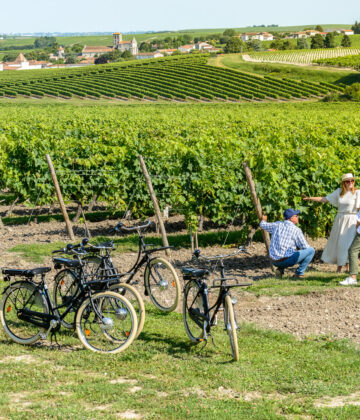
x=161, y=283
x=105, y=322
x=199, y=315
x=90, y=262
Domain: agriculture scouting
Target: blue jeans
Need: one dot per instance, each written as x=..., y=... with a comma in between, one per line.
x=303, y=257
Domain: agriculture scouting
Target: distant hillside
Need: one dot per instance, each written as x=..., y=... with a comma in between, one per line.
x=178, y=78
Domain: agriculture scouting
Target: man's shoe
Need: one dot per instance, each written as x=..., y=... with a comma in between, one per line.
x=298, y=276
x=349, y=281
x=279, y=272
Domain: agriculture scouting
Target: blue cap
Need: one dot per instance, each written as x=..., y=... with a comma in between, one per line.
x=289, y=213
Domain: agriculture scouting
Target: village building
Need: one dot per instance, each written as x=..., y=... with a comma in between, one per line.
x=95, y=51
x=167, y=51
x=347, y=31
x=144, y=55
x=21, y=63
x=118, y=44
x=186, y=48
x=261, y=36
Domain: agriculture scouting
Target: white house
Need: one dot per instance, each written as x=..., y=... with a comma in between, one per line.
x=261, y=36
x=1, y=67
x=21, y=63
x=203, y=46
x=144, y=55
x=186, y=48
x=347, y=31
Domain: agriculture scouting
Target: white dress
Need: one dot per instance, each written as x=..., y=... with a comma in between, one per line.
x=344, y=227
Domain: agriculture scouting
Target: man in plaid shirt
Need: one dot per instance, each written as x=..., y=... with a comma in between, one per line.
x=288, y=245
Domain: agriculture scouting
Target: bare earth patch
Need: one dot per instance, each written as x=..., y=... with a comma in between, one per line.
x=129, y=414
x=123, y=381
x=339, y=401
x=25, y=358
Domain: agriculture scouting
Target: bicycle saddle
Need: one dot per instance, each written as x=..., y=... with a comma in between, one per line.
x=195, y=272
x=66, y=261
x=25, y=273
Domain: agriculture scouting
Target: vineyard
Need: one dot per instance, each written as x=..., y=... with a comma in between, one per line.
x=300, y=56
x=346, y=61
x=194, y=153
x=173, y=78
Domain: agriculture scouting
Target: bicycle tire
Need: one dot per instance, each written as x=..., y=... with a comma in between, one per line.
x=162, y=287
x=20, y=295
x=134, y=297
x=193, y=300
x=66, y=288
x=114, y=335
x=230, y=327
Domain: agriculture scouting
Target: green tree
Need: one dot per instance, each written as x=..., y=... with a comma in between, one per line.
x=44, y=41
x=356, y=27
x=77, y=48
x=319, y=28
x=229, y=32
x=346, y=41
x=286, y=45
x=329, y=40
x=302, y=44
x=317, y=41
x=254, y=45
x=126, y=54
x=71, y=59
x=10, y=57
x=145, y=47
x=101, y=60
x=276, y=44
x=177, y=52
x=234, y=45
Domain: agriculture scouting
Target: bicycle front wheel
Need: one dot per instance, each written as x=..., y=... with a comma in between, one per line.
x=162, y=284
x=231, y=327
x=106, y=323
x=20, y=298
x=192, y=308
x=133, y=296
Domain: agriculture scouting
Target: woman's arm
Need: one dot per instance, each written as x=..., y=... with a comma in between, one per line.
x=316, y=199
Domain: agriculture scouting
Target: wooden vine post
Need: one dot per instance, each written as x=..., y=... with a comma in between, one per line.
x=257, y=204
x=155, y=203
x=60, y=198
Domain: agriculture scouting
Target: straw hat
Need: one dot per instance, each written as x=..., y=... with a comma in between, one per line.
x=345, y=177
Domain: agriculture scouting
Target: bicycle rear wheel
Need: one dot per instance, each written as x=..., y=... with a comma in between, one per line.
x=162, y=284
x=106, y=323
x=18, y=297
x=133, y=296
x=231, y=327
x=65, y=290
x=193, y=305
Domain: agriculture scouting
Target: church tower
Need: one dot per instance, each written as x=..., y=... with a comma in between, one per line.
x=117, y=38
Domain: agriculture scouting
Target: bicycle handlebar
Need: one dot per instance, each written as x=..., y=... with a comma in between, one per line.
x=72, y=249
x=198, y=255
x=123, y=228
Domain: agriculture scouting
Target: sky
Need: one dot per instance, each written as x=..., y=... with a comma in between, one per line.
x=157, y=15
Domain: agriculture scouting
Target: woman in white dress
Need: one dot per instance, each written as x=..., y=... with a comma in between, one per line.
x=347, y=200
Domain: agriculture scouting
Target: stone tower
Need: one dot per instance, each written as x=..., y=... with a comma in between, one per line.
x=117, y=38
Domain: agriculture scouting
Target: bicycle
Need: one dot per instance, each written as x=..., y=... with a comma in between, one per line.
x=198, y=314
x=161, y=282
x=105, y=322
x=86, y=264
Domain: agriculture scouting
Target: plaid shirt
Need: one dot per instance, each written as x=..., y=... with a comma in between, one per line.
x=286, y=237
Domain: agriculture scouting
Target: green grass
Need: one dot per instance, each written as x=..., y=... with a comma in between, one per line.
x=163, y=376
x=315, y=74
x=314, y=281
x=37, y=252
